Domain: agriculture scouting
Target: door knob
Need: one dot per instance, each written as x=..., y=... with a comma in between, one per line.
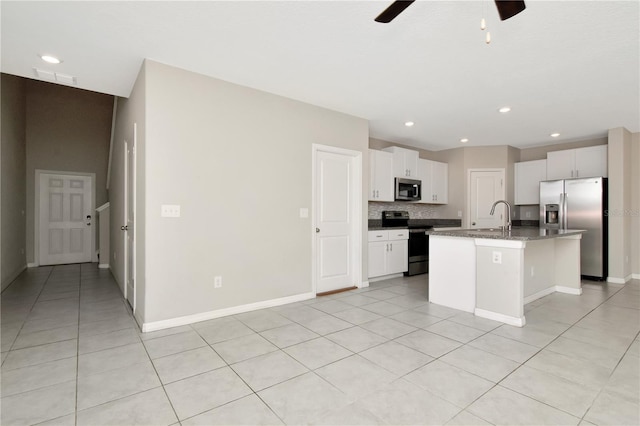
x=124, y=227
x=473, y=223
x=317, y=230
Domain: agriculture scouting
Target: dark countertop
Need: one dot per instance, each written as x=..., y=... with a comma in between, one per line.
x=376, y=224
x=516, y=233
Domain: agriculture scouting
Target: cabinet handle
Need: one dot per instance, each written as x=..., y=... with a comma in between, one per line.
x=571, y=173
x=378, y=236
x=374, y=194
x=577, y=173
x=391, y=245
x=377, y=194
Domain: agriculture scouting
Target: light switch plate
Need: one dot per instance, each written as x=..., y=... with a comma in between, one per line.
x=170, y=210
x=304, y=212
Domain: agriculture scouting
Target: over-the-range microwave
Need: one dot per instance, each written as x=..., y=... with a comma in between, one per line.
x=408, y=189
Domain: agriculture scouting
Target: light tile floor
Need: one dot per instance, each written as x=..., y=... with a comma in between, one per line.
x=72, y=354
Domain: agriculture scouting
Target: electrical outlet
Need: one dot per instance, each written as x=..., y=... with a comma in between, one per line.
x=170, y=210
x=528, y=215
x=22, y=251
x=217, y=282
x=497, y=257
x=459, y=213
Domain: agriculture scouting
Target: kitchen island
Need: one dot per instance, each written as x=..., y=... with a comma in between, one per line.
x=493, y=273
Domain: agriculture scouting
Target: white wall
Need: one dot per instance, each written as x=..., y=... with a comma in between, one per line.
x=13, y=189
x=620, y=204
x=635, y=205
x=129, y=111
x=238, y=162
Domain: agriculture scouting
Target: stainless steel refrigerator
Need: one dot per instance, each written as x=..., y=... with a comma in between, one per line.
x=579, y=204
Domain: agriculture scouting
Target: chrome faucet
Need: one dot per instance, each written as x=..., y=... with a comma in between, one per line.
x=493, y=209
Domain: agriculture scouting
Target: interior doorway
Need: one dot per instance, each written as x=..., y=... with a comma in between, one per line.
x=65, y=210
x=337, y=218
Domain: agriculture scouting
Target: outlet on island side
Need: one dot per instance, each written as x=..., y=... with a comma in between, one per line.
x=497, y=257
x=217, y=282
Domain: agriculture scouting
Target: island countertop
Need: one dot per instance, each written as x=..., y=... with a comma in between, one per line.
x=516, y=233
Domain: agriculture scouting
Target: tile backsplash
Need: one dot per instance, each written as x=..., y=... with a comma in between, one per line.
x=416, y=211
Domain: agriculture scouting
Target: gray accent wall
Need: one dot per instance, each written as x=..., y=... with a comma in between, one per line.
x=13, y=190
x=238, y=162
x=67, y=129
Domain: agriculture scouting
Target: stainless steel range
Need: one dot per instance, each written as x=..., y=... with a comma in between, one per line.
x=418, y=241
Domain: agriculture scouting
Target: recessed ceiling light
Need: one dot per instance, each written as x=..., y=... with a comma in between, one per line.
x=409, y=123
x=505, y=109
x=464, y=140
x=50, y=59
x=554, y=135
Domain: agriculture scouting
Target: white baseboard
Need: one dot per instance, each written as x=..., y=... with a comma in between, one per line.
x=385, y=277
x=569, y=290
x=518, y=322
x=635, y=276
x=364, y=284
x=190, y=319
x=32, y=265
x=103, y=266
x=538, y=295
x=615, y=280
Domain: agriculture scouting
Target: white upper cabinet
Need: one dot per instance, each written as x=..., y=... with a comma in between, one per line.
x=440, y=182
x=405, y=162
x=591, y=161
x=577, y=163
x=435, y=181
x=528, y=175
x=380, y=175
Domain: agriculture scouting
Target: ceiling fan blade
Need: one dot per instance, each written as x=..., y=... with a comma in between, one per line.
x=509, y=8
x=393, y=10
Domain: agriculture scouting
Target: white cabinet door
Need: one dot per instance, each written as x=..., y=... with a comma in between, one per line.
x=405, y=162
x=424, y=175
x=561, y=164
x=380, y=175
x=440, y=182
x=577, y=163
x=398, y=257
x=377, y=258
x=528, y=175
x=411, y=163
x=591, y=161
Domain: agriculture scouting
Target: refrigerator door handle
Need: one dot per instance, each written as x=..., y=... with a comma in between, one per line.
x=565, y=219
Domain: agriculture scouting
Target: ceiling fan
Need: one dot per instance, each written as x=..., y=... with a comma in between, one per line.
x=506, y=9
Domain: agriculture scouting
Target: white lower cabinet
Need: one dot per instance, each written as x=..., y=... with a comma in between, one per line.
x=388, y=252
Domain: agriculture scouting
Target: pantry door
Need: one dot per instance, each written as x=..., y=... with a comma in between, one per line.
x=65, y=222
x=337, y=218
x=485, y=187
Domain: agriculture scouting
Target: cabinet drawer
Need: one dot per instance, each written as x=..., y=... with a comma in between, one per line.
x=398, y=234
x=378, y=235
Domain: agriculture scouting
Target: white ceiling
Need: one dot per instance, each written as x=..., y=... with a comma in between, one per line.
x=563, y=66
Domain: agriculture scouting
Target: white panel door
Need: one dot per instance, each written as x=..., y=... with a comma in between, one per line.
x=129, y=228
x=65, y=220
x=334, y=224
x=485, y=188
